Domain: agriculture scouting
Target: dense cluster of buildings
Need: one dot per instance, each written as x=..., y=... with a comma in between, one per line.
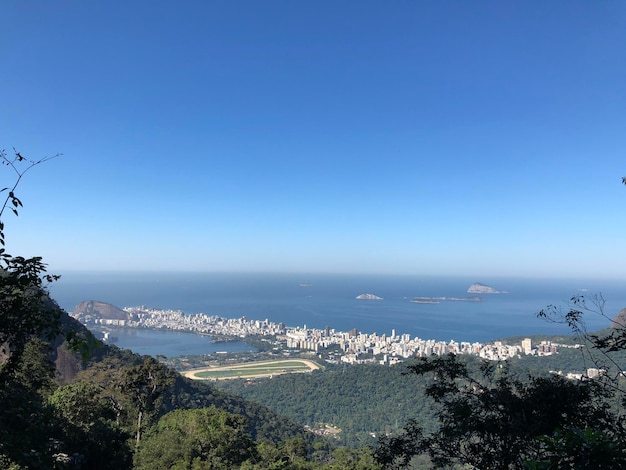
x=353, y=346
x=360, y=347
x=144, y=317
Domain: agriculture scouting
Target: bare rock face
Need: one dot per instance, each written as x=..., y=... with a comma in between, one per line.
x=90, y=310
x=478, y=288
x=67, y=361
x=620, y=319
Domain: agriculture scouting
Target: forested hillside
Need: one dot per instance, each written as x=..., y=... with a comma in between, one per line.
x=364, y=401
x=372, y=400
x=113, y=412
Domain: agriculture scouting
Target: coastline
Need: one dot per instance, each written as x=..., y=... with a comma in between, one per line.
x=330, y=301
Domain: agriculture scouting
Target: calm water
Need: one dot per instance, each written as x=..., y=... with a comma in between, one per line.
x=172, y=343
x=329, y=300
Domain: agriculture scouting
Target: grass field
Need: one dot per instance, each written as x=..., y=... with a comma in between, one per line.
x=252, y=370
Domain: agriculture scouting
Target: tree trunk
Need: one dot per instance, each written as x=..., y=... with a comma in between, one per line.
x=139, y=419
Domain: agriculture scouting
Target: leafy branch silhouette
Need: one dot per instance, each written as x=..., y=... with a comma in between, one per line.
x=20, y=166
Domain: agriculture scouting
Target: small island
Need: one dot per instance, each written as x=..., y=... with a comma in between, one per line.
x=368, y=297
x=425, y=300
x=478, y=288
x=436, y=300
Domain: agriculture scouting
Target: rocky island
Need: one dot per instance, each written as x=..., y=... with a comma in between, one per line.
x=368, y=297
x=478, y=288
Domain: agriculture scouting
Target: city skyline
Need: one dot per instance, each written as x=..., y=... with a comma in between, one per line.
x=446, y=138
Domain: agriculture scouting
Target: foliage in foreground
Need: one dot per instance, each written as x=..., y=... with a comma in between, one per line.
x=492, y=419
x=210, y=438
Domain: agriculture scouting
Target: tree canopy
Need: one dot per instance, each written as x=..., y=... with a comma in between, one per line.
x=490, y=419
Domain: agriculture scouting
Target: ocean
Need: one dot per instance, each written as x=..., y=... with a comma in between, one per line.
x=318, y=301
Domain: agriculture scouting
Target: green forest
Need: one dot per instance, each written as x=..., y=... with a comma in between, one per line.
x=368, y=401
x=73, y=402
x=364, y=401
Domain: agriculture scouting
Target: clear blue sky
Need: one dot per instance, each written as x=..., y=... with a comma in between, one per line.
x=478, y=138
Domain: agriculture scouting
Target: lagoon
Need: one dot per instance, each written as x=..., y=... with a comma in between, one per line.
x=171, y=343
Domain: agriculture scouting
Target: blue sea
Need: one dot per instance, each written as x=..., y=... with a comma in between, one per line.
x=320, y=300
